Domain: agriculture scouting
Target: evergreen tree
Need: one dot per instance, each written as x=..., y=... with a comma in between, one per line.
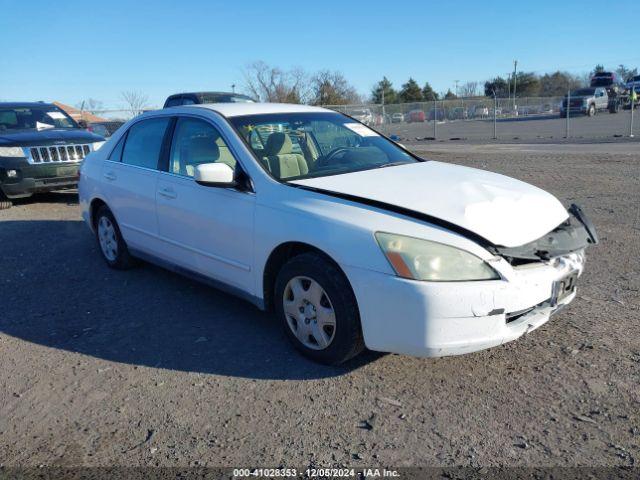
x=410, y=92
x=390, y=95
x=450, y=95
x=428, y=94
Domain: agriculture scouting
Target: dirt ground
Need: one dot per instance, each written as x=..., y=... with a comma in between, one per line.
x=144, y=367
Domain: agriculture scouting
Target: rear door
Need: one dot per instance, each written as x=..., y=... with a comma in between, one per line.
x=206, y=229
x=130, y=175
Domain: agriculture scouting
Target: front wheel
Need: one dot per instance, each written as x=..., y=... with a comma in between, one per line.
x=5, y=203
x=112, y=246
x=592, y=110
x=318, y=309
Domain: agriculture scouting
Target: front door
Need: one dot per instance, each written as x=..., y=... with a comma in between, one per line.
x=206, y=229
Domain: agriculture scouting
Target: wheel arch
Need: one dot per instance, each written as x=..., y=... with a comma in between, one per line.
x=94, y=206
x=278, y=257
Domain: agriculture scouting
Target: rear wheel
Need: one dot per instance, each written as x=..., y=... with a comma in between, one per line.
x=112, y=246
x=318, y=309
x=5, y=203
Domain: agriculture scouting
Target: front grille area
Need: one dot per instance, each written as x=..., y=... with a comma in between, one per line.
x=58, y=153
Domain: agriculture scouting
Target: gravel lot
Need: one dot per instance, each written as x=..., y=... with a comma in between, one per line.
x=145, y=367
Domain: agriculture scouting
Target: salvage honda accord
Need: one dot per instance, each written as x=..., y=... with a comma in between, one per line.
x=352, y=240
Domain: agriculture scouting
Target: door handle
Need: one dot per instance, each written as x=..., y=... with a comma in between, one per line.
x=110, y=176
x=168, y=193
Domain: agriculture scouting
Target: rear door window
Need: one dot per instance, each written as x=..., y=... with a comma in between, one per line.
x=144, y=142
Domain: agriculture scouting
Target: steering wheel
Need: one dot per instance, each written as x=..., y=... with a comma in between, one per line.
x=328, y=159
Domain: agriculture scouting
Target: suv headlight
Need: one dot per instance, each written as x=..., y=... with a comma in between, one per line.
x=425, y=260
x=11, y=152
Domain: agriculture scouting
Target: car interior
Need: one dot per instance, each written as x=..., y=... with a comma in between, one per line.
x=192, y=151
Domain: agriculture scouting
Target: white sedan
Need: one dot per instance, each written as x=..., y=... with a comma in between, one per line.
x=352, y=240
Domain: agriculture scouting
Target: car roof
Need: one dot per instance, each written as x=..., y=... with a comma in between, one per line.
x=238, y=109
x=26, y=104
x=209, y=93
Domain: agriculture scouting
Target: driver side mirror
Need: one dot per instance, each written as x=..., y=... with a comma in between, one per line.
x=215, y=175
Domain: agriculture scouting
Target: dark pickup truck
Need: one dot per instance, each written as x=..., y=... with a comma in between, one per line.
x=41, y=148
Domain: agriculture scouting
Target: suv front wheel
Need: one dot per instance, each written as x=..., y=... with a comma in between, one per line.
x=318, y=309
x=112, y=246
x=4, y=201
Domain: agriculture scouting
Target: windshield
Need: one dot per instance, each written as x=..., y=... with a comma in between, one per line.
x=583, y=92
x=293, y=146
x=34, y=118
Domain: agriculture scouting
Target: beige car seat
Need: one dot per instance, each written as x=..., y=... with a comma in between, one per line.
x=283, y=163
x=201, y=150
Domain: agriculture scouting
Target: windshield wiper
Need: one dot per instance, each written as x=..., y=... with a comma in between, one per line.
x=392, y=164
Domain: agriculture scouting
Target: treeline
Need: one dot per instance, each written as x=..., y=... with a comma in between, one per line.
x=325, y=87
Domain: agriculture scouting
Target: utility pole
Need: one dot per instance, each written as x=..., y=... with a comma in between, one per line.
x=633, y=94
x=435, y=119
x=568, y=109
x=384, y=117
x=457, y=87
x=515, y=81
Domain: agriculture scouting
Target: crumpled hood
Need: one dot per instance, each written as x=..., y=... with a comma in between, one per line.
x=503, y=210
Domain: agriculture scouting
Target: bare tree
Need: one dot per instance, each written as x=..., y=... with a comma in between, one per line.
x=331, y=88
x=90, y=104
x=136, y=101
x=469, y=89
x=272, y=84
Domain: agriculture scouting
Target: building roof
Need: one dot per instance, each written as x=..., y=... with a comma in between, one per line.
x=78, y=114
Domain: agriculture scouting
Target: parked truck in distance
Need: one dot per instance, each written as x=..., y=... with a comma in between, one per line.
x=617, y=92
x=586, y=101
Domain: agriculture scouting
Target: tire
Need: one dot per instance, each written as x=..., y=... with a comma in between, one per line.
x=112, y=246
x=295, y=286
x=591, y=111
x=5, y=203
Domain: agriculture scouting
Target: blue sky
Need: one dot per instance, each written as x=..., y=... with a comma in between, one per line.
x=70, y=50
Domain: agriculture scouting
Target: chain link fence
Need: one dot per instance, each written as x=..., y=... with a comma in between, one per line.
x=478, y=118
x=488, y=118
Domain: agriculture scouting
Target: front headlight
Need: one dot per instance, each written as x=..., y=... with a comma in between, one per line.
x=96, y=145
x=425, y=260
x=11, y=152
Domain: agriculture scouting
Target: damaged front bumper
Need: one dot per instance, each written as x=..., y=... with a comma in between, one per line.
x=433, y=319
